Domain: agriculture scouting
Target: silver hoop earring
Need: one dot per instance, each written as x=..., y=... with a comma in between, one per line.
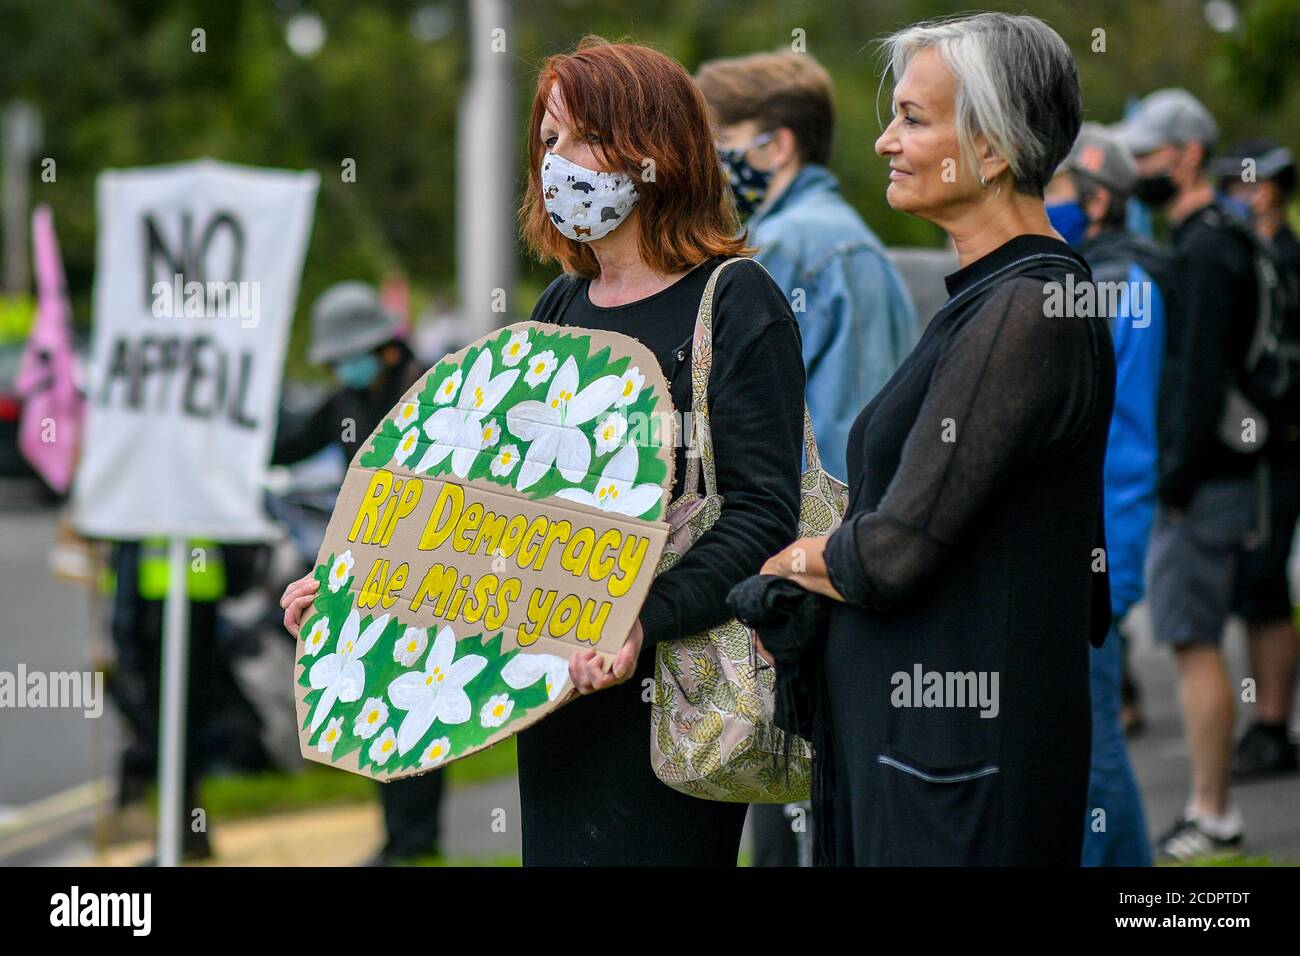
x=983, y=183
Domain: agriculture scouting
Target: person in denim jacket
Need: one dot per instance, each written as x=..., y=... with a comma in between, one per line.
x=775, y=122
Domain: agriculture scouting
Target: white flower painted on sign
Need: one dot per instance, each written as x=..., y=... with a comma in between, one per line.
x=552, y=426
x=447, y=388
x=406, y=415
x=383, y=746
x=505, y=461
x=540, y=368
x=458, y=431
x=436, y=694
x=436, y=752
x=629, y=387
x=615, y=490
x=371, y=718
x=524, y=670
x=515, y=349
x=408, y=648
x=332, y=734
x=610, y=432
x=340, y=675
x=317, y=636
x=405, y=445
x=496, y=711
x=491, y=433
x=340, y=570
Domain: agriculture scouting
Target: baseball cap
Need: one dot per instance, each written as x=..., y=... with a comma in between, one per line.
x=1270, y=157
x=1171, y=116
x=1098, y=154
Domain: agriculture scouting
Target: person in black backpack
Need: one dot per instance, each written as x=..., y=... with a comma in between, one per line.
x=1210, y=442
x=1261, y=174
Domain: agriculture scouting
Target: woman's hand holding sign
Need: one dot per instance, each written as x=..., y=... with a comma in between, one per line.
x=588, y=673
x=297, y=597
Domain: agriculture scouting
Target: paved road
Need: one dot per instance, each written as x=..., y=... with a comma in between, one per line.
x=1160, y=755
x=45, y=625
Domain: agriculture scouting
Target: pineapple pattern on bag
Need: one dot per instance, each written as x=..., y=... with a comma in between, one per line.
x=712, y=734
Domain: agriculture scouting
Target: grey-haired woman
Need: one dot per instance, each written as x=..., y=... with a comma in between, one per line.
x=967, y=579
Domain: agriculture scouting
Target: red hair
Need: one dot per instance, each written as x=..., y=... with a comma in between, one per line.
x=654, y=126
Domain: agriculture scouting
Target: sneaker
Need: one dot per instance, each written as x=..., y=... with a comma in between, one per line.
x=1188, y=840
x=1263, y=751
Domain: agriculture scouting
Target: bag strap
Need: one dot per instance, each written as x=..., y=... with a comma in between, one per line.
x=701, y=365
x=1013, y=268
x=701, y=444
x=812, y=457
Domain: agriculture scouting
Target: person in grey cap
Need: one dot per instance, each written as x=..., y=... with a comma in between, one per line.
x=1208, y=453
x=1260, y=174
x=362, y=342
x=1086, y=203
x=1172, y=137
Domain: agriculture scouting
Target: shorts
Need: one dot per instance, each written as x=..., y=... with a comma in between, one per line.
x=1191, y=567
x=1263, y=592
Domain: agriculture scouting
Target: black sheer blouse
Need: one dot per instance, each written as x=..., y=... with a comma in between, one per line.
x=969, y=549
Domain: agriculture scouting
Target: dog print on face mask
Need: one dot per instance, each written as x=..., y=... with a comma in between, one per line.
x=566, y=191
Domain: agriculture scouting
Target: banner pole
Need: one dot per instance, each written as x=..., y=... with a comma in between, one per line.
x=175, y=688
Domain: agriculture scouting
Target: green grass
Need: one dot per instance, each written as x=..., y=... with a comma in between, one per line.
x=250, y=795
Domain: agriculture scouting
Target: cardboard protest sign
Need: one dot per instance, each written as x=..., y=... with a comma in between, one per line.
x=197, y=271
x=507, y=513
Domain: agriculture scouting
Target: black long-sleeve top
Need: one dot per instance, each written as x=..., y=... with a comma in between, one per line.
x=1207, y=338
x=364, y=409
x=587, y=791
x=971, y=547
x=756, y=389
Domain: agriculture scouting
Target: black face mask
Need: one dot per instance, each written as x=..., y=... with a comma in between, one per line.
x=1156, y=190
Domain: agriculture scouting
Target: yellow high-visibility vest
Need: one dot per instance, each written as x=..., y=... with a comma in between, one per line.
x=205, y=581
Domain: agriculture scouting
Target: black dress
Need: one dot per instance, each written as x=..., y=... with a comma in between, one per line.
x=969, y=551
x=587, y=791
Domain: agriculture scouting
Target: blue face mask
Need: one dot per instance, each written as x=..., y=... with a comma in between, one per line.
x=358, y=372
x=1069, y=219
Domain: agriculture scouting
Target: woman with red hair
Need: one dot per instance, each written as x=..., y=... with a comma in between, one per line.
x=626, y=193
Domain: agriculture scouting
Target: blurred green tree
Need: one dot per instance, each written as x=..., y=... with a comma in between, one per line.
x=119, y=84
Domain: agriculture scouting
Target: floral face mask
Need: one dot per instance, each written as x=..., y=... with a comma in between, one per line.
x=585, y=204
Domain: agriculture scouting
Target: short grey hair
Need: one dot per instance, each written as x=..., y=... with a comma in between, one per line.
x=1017, y=84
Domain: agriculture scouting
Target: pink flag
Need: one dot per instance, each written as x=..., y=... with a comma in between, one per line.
x=50, y=431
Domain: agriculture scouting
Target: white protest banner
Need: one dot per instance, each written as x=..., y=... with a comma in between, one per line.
x=197, y=272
